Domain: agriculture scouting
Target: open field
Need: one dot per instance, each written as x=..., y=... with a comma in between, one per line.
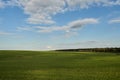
x=31, y=65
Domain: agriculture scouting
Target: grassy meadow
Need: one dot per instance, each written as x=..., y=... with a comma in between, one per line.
x=53, y=65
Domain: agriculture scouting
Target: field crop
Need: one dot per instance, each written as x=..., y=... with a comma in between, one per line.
x=53, y=65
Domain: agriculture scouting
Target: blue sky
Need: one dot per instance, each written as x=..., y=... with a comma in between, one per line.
x=59, y=24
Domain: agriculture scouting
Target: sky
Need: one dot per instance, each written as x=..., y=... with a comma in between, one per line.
x=59, y=24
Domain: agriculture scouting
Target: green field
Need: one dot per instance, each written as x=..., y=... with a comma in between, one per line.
x=33, y=65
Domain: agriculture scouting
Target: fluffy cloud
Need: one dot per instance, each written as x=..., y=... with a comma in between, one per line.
x=80, y=23
x=67, y=28
x=88, y=3
x=42, y=11
x=117, y=20
x=70, y=26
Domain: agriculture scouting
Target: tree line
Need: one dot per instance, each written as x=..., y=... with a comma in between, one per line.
x=117, y=50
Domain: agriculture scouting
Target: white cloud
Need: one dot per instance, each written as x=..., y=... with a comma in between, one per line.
x=2, y=4
x=42, y=11
x=70, y=26
x=117, y=2
x=13, y=3
x=67, y=28
x=6, y=3
x=80, y=23
x=24, y=28
x=117, y=20
x=5, y=33
x=73, y=4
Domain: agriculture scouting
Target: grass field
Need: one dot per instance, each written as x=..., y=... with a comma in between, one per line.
x=33, y=65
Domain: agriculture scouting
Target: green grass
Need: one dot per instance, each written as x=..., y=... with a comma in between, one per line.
x=31, y=65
